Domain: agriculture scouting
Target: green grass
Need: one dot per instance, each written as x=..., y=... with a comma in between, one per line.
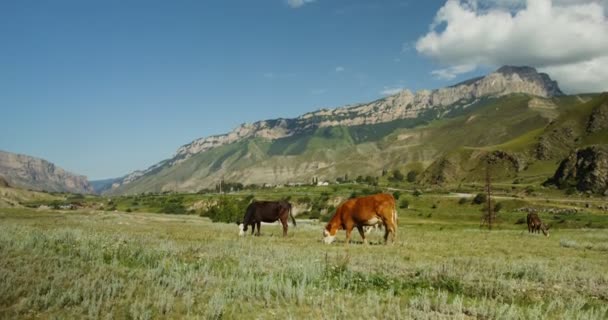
x=74, y=264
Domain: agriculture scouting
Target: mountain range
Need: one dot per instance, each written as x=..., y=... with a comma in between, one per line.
x=445, y=134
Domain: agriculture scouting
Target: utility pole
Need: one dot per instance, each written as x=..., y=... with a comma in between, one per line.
x=489, y=191
x=488, y=215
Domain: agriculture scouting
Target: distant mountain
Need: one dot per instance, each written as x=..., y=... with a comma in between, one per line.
x=406, y=130
x=99, y=186
x=27, y=172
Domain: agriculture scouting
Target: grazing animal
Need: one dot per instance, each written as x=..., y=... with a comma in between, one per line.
x=535, y=225
x=266, y=211
x=361, y=212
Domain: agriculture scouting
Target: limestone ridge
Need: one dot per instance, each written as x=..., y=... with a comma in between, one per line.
x=37, y=174
x=405, y=104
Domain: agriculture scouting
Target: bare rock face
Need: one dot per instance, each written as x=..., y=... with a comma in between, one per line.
x=585, y=169
x=4, y=183
x=403, y=105
x=37, y=174
x=599, y=119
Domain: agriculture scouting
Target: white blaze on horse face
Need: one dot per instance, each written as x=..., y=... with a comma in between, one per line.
x=241, y=231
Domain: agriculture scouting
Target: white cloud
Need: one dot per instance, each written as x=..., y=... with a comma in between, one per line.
x=298, y=3
x=451, y=72
x=340, y=69
x=566, y=38
x=389, y=91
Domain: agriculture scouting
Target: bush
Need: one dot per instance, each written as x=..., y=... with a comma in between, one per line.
x=173, y=208
x=417, y=193
x=480, y=198
x=397, y=175
x=412, y=176
x=327, y=217
x=497, y=207
x=462, y=201
x=227, y=210
x=529, y=190
x=397, y=194
x=404, y=204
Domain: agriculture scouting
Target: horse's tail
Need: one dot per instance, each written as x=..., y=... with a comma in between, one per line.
x=291, y=215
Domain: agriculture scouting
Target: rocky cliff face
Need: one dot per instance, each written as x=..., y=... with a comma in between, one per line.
x=37, y=174
x=585, y=169
x=403, y=105
x=599, y=119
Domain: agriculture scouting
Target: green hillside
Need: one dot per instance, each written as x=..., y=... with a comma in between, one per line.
x=526, y=137
x=534, y=153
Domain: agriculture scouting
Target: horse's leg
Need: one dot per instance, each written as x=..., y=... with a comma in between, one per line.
x=259, y=225
x=362, y=233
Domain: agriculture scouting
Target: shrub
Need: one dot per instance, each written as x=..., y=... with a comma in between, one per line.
x=497, y=207
x=412, y=176
x=462, y=201
x=480, y=198
x=397, y=175
x=417, y=193
x=227, y=210
x=173, y=208
x=404, y=204
x=397, y=194
x=529, y=190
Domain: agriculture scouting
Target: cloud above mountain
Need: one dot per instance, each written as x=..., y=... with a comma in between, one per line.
x=566, y=38
x=298, y=3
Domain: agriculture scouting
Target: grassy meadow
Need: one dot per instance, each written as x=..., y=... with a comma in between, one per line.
x=137, y=265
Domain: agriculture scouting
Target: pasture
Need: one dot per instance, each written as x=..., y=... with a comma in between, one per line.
x=96, y=264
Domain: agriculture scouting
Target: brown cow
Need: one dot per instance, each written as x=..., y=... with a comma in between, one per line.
x=536, y=225
x=360, y=212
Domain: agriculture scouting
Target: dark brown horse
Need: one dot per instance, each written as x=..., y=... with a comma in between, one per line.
x=535, y=225
x=266, y=211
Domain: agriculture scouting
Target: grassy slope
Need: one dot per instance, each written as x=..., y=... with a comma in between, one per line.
x=561, y=135
x=73, y=265
x=14, y=197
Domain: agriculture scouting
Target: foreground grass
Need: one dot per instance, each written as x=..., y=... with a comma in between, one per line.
x=140, y=266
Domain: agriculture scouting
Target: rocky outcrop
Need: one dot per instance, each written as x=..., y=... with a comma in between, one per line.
x=442, y=171
x=584, y=169
x=403, y=105
x=37, y=174
x=599, y=119
x=4, y=183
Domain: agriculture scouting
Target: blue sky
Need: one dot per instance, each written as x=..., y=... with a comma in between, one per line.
x=102, y=88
